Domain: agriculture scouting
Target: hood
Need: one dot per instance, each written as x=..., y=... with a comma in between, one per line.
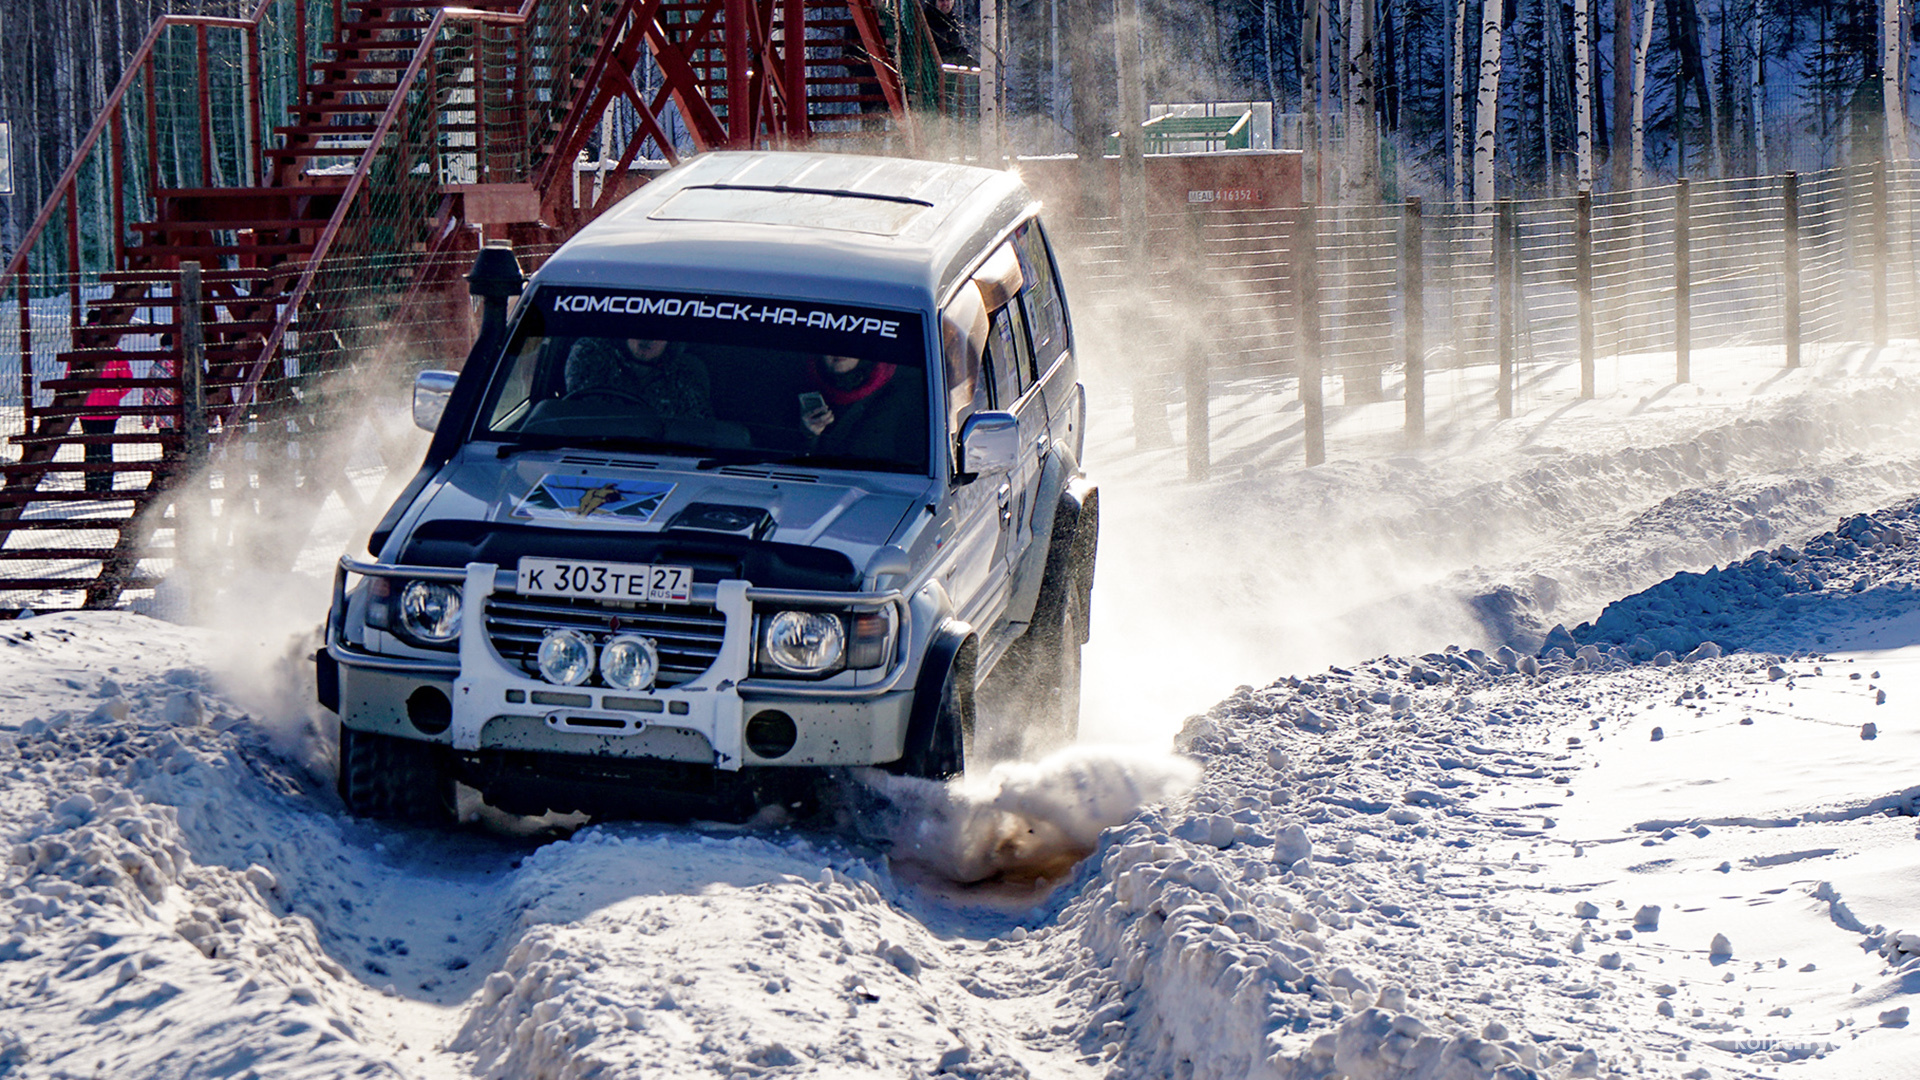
x=852, y=513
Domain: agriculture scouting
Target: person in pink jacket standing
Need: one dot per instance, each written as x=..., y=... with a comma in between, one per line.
x=104, y=422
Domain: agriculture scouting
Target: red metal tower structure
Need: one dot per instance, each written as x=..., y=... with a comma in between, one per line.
x=332, y=176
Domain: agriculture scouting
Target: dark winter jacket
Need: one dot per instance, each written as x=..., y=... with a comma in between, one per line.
x=675, y=384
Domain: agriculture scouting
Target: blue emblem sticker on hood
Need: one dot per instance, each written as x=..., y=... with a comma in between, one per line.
x=560, y=497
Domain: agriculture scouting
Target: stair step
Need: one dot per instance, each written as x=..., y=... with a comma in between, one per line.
x=62, y=525
x=215, y=354
x=133, y=438
x=225, y=327
x=171, y=277
x=216, y=251
x=369, y=65
x=81, y=383
x=318, y=130
x=221, y=225
x=26, y=495
x=89, y=553
x=251, y=192
x=42, y=584
x=82, y=409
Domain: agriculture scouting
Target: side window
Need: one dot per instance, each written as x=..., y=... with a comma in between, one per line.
x=962, y=331
x=1008, y=357
x=1046, y=310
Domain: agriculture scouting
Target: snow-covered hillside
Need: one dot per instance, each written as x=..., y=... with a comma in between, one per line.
x=1609, y=852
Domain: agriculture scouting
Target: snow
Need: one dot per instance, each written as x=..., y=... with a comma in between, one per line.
x=1459, y=852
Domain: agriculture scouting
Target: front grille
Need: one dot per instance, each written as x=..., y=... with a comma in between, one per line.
x=687, y=635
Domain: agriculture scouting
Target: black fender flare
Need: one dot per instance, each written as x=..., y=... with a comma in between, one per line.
x=954, y=645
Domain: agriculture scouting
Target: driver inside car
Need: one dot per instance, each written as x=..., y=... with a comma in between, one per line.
x=660, y=377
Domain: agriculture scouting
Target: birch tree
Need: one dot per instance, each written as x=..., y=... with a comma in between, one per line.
x=1458, y=129
x=1757, y=86
x=1583, y=95
x=1363, y=130
x=1892, y=85
x=1639, y=158
x=1486, y=121
x=1312, y=59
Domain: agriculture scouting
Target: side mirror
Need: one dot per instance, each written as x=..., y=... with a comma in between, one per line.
x=431, y=389
x=989, y=444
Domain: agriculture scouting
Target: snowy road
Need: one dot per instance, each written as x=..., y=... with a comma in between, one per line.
x=1421, y=863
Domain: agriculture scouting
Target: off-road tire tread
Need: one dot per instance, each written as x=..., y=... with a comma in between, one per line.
x=393, y=779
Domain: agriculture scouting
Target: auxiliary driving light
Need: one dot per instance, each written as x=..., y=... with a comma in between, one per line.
x=566, y=657
x=430, y=611
x=630, y=662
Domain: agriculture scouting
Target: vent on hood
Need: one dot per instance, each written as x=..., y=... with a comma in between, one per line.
x=606, y=463
x=767, y=474
x=752, y=522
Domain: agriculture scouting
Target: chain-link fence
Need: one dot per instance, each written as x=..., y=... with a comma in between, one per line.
x=1775, y=261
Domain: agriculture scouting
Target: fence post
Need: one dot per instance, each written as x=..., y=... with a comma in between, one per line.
x=1306, y=278
x=1503, y=322
x=1198, y=383
x=1790, y=265
x=193, y=357
x=1414, y=314
x=1881, y=255
x=1583, y=286
x=192, y=510
x=1682, y=283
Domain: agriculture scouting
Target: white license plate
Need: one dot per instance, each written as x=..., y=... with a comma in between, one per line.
x=631, y=582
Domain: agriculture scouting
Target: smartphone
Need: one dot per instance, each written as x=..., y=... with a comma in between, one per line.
x=812, y=402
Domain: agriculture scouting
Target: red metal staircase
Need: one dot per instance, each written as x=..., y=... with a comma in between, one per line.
x=331, y=247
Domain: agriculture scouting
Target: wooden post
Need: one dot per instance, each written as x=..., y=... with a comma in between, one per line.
x=192, y=512
x=1682, y=284
x=1199, y=427
x=1790, y=265
x=1306, y=279
x=1196, y=379
x=1881, y=255
x=193, y=358
x=1413, y=285
x=1503, y=314
x=1583, y=286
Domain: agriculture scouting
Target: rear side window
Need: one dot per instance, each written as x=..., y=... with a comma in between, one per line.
x=1008, y=358
x=1046, y=310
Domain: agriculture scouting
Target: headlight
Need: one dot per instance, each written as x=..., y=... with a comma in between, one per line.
x=805, y=642
x=566, y=657
x=430, y=611
x=629, y=662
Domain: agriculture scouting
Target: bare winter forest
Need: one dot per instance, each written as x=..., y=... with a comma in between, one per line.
x=1449, y=99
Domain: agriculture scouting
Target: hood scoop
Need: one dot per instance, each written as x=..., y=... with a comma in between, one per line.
x=751, y=522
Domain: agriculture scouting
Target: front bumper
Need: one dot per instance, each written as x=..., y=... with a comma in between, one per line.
x=498, y=706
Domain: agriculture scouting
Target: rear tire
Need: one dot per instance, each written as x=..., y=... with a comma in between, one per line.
x=1042, y=669
x=394, y=779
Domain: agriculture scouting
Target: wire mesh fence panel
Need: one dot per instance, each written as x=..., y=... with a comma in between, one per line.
x=1737, y=254
x=1358, y=255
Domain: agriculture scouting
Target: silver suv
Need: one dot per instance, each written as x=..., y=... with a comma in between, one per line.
x=776, y=464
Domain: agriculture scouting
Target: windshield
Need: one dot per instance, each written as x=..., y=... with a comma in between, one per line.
x=731, y=379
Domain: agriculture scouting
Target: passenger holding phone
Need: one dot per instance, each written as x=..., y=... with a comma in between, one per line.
x=862, y=408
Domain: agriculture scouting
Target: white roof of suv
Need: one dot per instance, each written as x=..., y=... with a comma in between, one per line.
x=889, y=232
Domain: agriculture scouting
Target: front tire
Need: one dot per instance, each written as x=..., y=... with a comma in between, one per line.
x=394, y=779
x=937, y=739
